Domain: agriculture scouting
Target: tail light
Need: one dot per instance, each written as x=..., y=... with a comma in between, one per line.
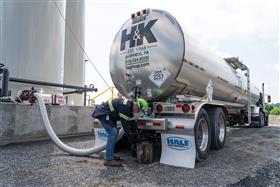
x=159, y=108
x=180, y=127
x=156, y=124
x=185, y=108
x=141, y=123
x=178, y=105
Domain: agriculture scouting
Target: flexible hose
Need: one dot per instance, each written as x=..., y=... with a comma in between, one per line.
x=58, y=142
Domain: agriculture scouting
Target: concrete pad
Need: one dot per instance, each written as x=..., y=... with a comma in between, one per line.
x=21, y=123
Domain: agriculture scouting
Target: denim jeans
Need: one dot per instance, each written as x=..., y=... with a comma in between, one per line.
x=112, y=131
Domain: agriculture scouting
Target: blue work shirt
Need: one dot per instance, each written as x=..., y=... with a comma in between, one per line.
x=120, y=110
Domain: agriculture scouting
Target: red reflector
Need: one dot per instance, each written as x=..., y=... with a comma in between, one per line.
x=156, y=124
x=178, y=105
x=185, y=108
x=141, y=123
x=179, y=126
x=159, y=108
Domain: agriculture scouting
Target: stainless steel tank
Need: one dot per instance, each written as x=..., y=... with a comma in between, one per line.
x=74, y=60
x=152, y=52
x=32, y=41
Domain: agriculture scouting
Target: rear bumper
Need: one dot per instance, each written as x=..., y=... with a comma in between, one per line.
x=173, y=125
x=160, y=124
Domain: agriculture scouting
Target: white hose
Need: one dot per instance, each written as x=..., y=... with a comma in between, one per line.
x=58, y=142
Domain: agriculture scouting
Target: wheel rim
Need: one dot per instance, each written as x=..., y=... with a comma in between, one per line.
x=222, y=128
x=202, y=135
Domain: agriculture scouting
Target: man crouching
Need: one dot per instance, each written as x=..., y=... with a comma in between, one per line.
x=119, y=109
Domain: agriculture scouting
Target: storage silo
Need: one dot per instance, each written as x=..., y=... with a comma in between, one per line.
x=74, y=59
x=32, y=41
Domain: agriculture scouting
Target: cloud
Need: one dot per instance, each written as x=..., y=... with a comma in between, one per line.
x=248, y=28
x=219, y=19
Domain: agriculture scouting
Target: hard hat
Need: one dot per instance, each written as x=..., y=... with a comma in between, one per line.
x=142, y=104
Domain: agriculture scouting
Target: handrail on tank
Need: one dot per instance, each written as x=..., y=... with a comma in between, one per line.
x=92, y=100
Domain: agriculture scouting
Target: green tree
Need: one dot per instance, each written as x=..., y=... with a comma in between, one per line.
x=275, y=111
x=269, y=108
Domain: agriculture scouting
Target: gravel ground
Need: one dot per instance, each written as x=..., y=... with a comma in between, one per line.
x=268, y=176
x=251, y=157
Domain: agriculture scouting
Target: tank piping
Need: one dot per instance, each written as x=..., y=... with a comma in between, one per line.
x=58, y=142
x=4, y=80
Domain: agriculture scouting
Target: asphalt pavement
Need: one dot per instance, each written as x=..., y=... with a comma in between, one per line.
x=251, y=157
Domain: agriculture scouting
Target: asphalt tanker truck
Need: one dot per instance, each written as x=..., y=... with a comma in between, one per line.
x=193, y=93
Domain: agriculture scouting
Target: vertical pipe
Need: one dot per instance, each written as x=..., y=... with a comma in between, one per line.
x=85, y=97
x=263, y=96
x=248, y=97
x=5, y=82
x=1, y=32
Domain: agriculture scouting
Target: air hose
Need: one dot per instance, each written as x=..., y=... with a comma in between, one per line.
x=58, y=142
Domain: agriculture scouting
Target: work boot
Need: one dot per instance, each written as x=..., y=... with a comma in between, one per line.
x=113, y=163
x=117, y=158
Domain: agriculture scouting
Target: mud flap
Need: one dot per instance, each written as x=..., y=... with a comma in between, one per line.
x=100, y=136
x=178, y=143
x=100, y=133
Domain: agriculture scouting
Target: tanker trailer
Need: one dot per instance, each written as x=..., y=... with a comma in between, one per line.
x=193, y=93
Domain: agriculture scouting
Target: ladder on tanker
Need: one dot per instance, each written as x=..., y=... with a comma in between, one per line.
x=236, y=64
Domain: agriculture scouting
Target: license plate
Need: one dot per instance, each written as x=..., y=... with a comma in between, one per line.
x=169, y=108
x=149, y=124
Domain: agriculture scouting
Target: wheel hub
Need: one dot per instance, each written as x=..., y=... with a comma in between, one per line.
x=202, y=134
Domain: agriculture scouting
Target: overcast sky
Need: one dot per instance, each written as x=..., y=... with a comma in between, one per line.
x=248, y=29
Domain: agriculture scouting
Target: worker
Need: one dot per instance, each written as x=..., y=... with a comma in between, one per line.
x=119, y=109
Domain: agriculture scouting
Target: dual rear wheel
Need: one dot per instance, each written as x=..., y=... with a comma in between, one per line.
x=210, y=131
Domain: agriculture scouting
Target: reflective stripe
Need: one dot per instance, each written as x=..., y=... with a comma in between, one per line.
x=111, y=105
x=125, y=101
x=124, y=116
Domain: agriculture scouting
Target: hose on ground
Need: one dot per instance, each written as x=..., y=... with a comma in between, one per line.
x=58, y=142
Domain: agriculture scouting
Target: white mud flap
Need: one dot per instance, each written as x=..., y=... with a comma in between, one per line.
x=178, y=143
x=100, y=136
x=100, y=133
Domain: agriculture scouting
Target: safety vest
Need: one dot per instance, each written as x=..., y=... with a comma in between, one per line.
x=125, y=117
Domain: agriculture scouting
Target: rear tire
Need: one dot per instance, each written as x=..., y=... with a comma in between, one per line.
x=261, y=121
x=218, y=128
x=202, y=135
x=266, y=119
